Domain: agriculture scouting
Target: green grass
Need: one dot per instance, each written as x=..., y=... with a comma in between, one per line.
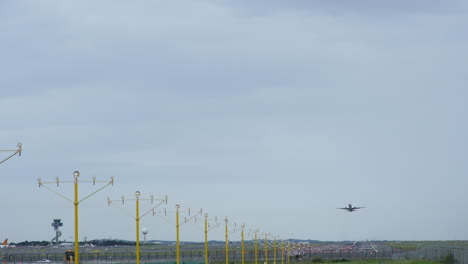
x=372, y=262
x=413, y=245
x=403, y=262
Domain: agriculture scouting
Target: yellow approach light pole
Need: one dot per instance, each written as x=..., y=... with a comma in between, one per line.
x=138, y=216
x=263, y=243
x=227, y=238
x=76, y=201
x=242, y=243
x=208, y=228
x=15, y=151
x=178, y=224
x=274, y=250
x=178, y=227
x=282, y=252
x=256, y=247
x=255, y=243
x=227, y=241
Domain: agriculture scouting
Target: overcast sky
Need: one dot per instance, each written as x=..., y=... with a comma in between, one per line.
x=269, y=113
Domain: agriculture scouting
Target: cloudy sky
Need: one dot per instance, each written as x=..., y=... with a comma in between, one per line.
x=269, y=113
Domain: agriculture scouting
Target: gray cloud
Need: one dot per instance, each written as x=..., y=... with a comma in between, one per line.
x=298, y=108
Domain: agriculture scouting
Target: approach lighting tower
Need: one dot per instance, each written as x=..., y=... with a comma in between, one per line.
x=266, y=248
x=242, y=227
x=254, y=235
x=266, y=245
x=75, y=201
x=208, y=227
x=138, y=216
x=178, y=224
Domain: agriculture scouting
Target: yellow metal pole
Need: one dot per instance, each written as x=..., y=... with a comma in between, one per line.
x=289, y=254
x=227, y=242
x=137, y=218
x=266, y=249
x=282, y=252
x=274, y=251
x=76, y=202
x=242, y=244
x=256, y=248
x=177, y=236
x=76, y=174
x=206, y=238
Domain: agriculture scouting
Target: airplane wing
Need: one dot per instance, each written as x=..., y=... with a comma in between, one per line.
x=358, y=207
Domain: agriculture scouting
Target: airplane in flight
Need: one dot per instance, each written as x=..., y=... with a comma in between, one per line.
x=4, y=244
x=350, y=208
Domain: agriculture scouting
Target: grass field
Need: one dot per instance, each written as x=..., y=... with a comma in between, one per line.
x=358, y=262
x=315, y=262
x=414, y=245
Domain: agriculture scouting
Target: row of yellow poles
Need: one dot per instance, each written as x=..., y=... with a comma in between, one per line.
x=266, y=246
x=206, y=229
x=178, y=224
x=137, y=199
x=242, y=245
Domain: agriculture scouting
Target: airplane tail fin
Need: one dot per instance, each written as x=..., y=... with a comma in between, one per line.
x=5, y=242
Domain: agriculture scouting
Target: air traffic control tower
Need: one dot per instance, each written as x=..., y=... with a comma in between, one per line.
x=56, y=224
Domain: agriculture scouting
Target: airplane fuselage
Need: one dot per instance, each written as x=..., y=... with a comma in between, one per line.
x=350, y=208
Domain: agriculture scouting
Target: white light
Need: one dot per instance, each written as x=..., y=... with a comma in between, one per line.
x=76, y=174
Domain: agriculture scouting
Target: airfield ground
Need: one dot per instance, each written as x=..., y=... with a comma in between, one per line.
x=193, y=253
